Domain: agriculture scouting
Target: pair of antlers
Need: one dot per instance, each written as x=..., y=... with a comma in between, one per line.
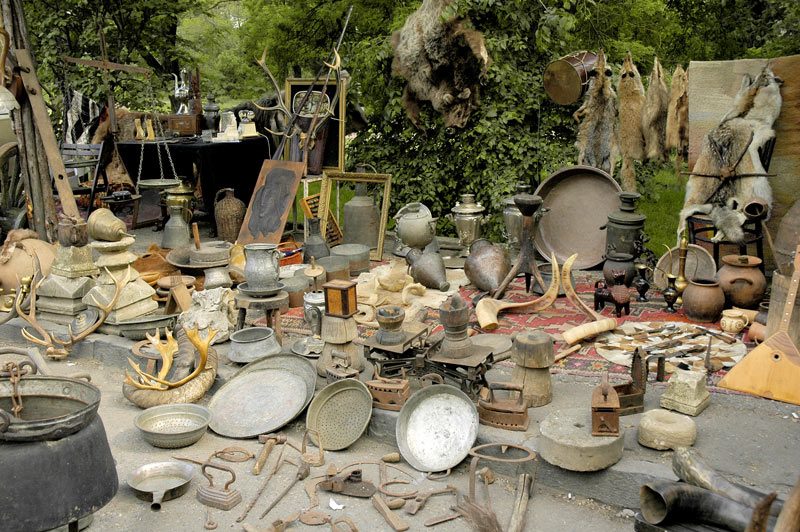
x=47, y=339
x=167, y=350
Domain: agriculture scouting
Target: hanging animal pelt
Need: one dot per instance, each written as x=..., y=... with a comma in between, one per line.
x=654, y=114
x=443, y=61
x=730, y=150
x=597, y=132
x=631, y=140
x=678, y=111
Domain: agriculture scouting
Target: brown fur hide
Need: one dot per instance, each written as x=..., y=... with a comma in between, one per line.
x=597, y=132
x=631, y=139
x=443, y=62
x=654, y=114
x=744, y=129
x=678, y=111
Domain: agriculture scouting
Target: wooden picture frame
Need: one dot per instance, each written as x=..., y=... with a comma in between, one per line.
x=334, y=147
x=273, y=197
x=329, y=177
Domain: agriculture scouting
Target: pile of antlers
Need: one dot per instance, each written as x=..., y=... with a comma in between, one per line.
x=47, y=339
x=167, y=350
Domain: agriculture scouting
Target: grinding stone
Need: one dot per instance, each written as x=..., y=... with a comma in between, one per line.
x=567, y=442
x=662, y=430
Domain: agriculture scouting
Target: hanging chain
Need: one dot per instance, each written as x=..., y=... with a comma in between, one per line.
x=15, y=373
x=159, y=134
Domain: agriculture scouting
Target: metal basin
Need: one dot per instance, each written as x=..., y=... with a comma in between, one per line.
x=252, y=344
x=436, y=428
x=173, y=426
x=161, y=481
x=53, y=407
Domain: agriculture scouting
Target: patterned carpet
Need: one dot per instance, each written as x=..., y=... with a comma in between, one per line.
x=555, y=320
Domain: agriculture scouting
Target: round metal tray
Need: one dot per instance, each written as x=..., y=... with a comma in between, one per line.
x=699, y=263
x=244, y=289
x=179, y=258
x=340, y=413
x=257, y=402
x=173, y=426
x=298, y=365
x=436, y=428
x=580, y=198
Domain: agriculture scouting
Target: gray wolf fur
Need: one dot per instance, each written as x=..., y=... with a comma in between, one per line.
x=597, y=132
x=677, y=135
x=755, y=108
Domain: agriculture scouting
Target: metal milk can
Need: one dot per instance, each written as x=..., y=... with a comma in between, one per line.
x=360, y=219
x=468, y=218
x=176, y=230
x=513, y=218
x=416, y=226
x=262, y=266
x=624, y=226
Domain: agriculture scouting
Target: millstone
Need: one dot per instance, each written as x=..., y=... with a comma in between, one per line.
x=567, y=442
x=662, y=429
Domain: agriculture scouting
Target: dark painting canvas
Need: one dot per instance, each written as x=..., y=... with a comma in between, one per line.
x=269, y=206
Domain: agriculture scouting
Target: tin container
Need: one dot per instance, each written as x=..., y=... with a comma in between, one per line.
x=624, y=226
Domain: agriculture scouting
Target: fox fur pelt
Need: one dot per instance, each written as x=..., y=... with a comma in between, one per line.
x=443, y=62
x=631, y=140
x=678, y=111
x=597, y=132
x=743, y=130
x=654, y=113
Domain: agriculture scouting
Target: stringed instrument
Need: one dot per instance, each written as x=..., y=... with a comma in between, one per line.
x=772, y=369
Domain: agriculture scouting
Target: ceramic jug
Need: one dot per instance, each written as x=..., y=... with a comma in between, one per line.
x=733, y=321
x=262, y=266
x=742, y=281
x=176, y=230
x=416, y=227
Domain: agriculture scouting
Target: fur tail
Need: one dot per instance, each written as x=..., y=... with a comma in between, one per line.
x=628, y=175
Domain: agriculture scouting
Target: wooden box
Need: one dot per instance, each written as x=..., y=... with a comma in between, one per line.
x=340, y=298
x=185, y=125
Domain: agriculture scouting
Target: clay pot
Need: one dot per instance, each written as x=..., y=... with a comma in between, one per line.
x=742, y=281
x=21, y=262
x=428, y=269
x=703, y=300
x=619, y=261
x=487, y=265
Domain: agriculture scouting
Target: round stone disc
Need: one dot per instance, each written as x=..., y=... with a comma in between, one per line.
x=567, y=442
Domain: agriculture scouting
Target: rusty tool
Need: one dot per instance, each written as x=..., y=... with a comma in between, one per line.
x=303, y=470
x=524, y=490
x=263, y=486
x=722, y=336
x=504, y=413
x=442, y=519
x=351, y=484
x=277, y=526
x=391, y=518
x=269, y=441
x=228, y=454
x=223, y=498
x=311, y=458
x=419, y=501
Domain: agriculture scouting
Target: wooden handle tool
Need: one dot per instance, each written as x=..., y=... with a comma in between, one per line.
x=391, y=518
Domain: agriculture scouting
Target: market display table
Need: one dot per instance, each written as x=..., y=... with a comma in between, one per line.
x=219, y=164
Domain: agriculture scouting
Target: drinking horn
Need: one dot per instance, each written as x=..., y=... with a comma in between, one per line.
x=666, y=500
x=689, y=466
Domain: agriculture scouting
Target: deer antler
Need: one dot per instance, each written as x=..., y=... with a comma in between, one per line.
x=280, y=106
x=150, y=382
x=48, y=340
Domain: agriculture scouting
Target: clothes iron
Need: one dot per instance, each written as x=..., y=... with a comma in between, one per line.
x=605, y=410
x=508, y=413
x=631, y=394
x=223, y=498
x=389, y=394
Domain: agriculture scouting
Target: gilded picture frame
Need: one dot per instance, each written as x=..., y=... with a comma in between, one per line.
x=329, y=177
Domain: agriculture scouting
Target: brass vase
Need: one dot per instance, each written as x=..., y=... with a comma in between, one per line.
x=681, y=282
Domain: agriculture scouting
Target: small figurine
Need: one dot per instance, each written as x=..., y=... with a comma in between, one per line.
x=617, y=294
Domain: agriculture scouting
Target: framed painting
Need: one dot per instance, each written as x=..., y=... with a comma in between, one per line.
x=273, y=197
x=376, y=180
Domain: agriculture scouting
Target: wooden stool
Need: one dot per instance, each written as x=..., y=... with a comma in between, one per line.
x=273, y=307
x=533, y=354
x=699, y=224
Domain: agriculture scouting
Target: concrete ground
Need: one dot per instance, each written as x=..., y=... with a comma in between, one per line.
x=750, y=440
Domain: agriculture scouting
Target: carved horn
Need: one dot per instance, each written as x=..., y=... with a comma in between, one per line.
x=789, y=520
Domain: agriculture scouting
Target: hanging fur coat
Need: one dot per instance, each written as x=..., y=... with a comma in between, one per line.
x=597, y=132
x=654, y=114
x=631, y=140
x=732, y=147
x=678, y=112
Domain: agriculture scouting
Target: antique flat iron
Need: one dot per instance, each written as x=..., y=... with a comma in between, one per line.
x=772, y=369
x=605, y=410
x=631, y=394
x=389, y=394
x=504, y=413
x=223, y=498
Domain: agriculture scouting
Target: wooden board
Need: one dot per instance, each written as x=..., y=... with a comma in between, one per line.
x=333, y=233
x=712, y=86
x=45, y=128
x=269, y=206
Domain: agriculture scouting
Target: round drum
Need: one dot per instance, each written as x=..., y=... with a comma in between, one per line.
x=566, y=79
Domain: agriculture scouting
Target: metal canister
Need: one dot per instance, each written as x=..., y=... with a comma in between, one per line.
x=625, y=225
x=513, y=218
x=182, y=195
x=468, y=218
x=361, y=219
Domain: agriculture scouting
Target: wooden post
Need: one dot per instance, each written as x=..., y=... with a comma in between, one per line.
x=524, y=490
